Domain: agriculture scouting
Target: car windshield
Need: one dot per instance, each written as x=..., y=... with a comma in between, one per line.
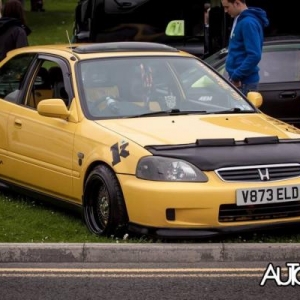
x=154, y=86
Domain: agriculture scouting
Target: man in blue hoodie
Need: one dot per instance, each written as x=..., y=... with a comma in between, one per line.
x=245, y=44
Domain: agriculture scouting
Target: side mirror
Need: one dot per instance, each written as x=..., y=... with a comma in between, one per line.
x=175, y=28
x=53, y=108
x=255, y=98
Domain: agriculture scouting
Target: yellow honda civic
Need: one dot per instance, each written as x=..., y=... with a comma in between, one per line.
x=145, y=138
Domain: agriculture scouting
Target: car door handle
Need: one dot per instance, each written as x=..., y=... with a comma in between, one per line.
x=18, y=122
x=288, y=95
x=126, y=4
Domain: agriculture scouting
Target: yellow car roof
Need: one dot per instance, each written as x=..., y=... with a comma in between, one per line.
x=89, y=50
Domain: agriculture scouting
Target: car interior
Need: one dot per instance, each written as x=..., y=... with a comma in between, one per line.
x=48, y=84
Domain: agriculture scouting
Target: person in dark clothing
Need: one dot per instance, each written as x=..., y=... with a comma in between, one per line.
x=13, y=28
x=206, y=26
x=37, y=5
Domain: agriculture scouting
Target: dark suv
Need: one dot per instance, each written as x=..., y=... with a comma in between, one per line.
x=146, y=21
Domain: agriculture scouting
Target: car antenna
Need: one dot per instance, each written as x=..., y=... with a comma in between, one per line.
x=68, y=37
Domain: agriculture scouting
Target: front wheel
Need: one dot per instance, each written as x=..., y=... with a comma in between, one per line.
x=104, y=207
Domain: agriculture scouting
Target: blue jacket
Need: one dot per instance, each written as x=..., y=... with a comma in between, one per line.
x=245, y=46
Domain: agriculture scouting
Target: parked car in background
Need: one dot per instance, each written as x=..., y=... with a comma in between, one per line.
x=144, y=138
x=100, y=21
x=279, y=77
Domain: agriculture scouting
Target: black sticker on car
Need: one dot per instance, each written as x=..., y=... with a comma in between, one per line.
x=118, y=152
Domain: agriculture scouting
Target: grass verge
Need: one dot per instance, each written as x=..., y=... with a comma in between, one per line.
x=26, y=220
x=50, y=27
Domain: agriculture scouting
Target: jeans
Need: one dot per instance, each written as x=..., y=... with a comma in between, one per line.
x=250, y=87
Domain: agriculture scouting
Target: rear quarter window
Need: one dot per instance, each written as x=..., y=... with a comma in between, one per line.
x=280, y=66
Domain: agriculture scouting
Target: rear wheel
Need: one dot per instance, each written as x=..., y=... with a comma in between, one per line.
x=104, y=207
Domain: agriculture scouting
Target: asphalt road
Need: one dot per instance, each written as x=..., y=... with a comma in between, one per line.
x=127, y=281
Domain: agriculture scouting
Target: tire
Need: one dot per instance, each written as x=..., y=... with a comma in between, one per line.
x=104, y=209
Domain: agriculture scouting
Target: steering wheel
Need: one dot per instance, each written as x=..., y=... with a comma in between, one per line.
x=111, y=103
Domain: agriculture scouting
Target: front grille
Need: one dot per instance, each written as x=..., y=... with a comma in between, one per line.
x=234, y=213
x=259, y=173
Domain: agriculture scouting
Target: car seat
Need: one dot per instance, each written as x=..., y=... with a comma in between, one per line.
x=99, y=83
x=41, y=89
x=57, y=84
x=43, y=80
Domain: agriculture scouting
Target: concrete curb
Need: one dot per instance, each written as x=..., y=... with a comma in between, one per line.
x=147, y=253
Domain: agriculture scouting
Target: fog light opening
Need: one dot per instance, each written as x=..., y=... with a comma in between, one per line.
x=170, y=214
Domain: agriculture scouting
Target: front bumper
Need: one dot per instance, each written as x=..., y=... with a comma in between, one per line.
x=200, y=209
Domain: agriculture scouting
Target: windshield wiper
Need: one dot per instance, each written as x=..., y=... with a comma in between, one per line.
x=235, y=110
x=171, y=112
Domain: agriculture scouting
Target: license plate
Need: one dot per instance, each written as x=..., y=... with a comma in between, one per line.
x=268, y=195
